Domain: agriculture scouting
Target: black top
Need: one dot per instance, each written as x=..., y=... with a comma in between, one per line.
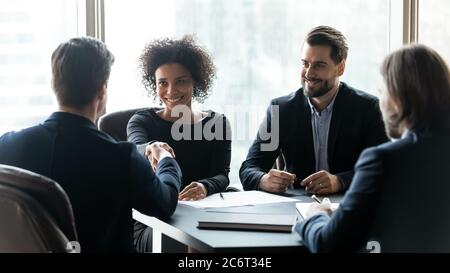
x=398, y=201
x=205, y=158
x=104, y=179
x=356, y=124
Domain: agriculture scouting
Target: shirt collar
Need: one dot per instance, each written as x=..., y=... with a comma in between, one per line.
x=72, y=119
x=327, y=109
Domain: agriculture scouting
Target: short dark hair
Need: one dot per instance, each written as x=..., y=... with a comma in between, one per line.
x=184, y=52
x=418, y=79
x=328, y=36
x=79, y=68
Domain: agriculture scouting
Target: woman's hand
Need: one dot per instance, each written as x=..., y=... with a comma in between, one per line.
x=193, y=191
x=316, y=208
x=157, y=151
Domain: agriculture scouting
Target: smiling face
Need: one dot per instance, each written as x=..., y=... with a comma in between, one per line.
x=174, y=85
x=319, y=73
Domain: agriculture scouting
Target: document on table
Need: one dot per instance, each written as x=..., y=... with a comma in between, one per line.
x=303, y=208
x=235, y=199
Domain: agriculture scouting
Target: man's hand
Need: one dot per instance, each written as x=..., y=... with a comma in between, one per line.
x=321, y=182
x=276, y=181
x=193, y=191
x=157, y=151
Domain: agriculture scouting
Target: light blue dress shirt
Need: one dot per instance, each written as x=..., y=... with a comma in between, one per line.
x=320, y=122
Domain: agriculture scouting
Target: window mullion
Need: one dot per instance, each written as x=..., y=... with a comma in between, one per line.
x=410, y=21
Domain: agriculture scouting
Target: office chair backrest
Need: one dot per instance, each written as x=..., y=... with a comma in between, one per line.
x=115, y=123
x=35, y=213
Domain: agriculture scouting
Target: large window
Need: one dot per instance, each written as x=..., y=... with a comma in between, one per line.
x=29, y=31
x=256, y=46
x=433, y=27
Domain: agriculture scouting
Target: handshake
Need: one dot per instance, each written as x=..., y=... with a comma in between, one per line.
x=156, y=151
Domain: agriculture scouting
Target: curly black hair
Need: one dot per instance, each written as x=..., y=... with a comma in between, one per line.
x=184, y=52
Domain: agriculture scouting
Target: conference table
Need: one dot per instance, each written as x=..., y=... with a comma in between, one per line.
x=182, y=227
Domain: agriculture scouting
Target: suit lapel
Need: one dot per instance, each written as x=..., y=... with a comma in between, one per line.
x=307, y=134
x=335, y=125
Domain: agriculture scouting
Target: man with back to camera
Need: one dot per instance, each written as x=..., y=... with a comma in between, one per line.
x=321, y=128
x=104, y=179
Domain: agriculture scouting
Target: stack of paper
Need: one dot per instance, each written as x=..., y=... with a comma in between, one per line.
x=233, y=199
x=257, y=221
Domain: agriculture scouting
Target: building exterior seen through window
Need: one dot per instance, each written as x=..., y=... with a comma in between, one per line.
x=434, y=30
x=29, y=32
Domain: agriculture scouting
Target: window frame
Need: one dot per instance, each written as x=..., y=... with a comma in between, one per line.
x=407, y=9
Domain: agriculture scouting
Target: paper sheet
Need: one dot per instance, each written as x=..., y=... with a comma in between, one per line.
x=234, y=199
x=303, y=207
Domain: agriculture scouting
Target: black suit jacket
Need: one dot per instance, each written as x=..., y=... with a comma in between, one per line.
x=399, y=199
x=356, y=124
x=104, y=179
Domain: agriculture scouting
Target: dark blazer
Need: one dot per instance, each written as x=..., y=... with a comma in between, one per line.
x=104, y=179
x=356, y=124
x=212, y=156
x=399, y=199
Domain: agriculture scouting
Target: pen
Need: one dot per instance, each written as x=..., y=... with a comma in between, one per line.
x=314, y=197
x=221, y=196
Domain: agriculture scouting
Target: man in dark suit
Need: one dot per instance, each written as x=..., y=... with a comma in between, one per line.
x=104, y=179
x=398, y=200
x=319, y=130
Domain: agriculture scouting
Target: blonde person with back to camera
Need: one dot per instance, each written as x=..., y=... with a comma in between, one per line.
x=398, y=199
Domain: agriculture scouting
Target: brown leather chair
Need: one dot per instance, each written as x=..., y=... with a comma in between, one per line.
x=115, y=123
x=35, y=214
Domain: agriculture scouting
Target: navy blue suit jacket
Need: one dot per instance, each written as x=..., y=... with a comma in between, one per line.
x=104, y=179
x=399, y=198
x=356, y=124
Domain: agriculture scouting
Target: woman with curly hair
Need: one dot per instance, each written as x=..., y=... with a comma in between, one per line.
x=177, y=72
